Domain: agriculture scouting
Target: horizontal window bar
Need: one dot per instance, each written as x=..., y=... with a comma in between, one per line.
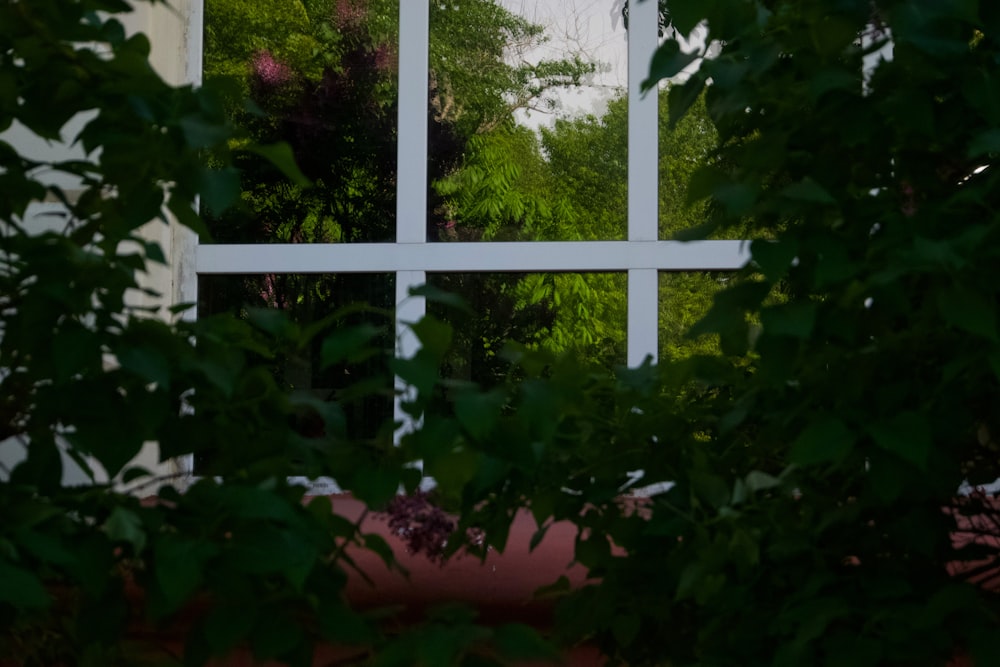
x=720, y=255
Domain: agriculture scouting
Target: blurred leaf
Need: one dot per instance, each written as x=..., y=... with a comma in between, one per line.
x=668, y=61
x=281, y=156
x=375, y=486
x=124, y=525
x=438, y=295
x=795, y=320
x=479, y=413
x=969, y=311
x=824, y=440
x=351, y=344
x=516, y=641
x=908, y=435
x=21, y=588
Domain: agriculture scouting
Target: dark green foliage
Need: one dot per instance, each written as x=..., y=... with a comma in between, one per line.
x=806, y=522
x=810, y=467
x=91, y=373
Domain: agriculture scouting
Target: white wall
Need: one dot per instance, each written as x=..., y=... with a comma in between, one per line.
x=168, y=28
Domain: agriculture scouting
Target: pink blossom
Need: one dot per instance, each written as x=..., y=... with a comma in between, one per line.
x=350, y=13
x=270, y=72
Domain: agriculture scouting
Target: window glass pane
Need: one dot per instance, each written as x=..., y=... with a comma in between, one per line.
x=684, y=299
x=343, y=300
x=322, y=76
x=684, y=149
x=578, y=313
x=528, y=121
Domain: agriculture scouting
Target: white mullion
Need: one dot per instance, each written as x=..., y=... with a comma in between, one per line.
x=409, y=309
x=712, y=255
x=411, y=181
x=643, y=315
x=643, y=150
x=411, y=165
x=184, y=242
x=195, y=42
x=643, y=182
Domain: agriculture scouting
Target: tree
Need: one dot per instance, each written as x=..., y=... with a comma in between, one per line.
x=323, y=74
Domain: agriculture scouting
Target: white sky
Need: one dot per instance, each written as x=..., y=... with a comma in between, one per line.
x=591, y=29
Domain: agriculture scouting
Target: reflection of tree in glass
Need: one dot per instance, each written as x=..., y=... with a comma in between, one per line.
x=321, y=75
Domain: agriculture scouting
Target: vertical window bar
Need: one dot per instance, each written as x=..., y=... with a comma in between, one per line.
x=411, y=183
x=184, y=242
x=409, y=309
x=643, y=153
x=643, y=149
x=643, y=315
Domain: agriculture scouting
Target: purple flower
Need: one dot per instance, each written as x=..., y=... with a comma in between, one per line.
x=421, y=524
x=270, y=73
x=350, y=13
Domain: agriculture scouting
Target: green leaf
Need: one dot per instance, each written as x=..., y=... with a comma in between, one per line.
x=343, y=625
x=376, y=486
x=184, y=211
x=435, y=336
x=438, y=295
x=834, y=78
x=178, y=568
x=966, y=309
x=281, y=156
x=698, y=583
x=148, y=363
x=516, y=641
x=558, y=588
x=133, y=473
x=124, y=525
x=227, y=625
x=479, y=413
x=808, y=190
x=381, y=548
x=220, y=189
x=203, y=133
x=350, y=344
x=454, y=468
x=421, y=371
x=710, y=488
x=21, y=588
x=594, y=552
x=795, y=319
x=984, y=143
x=267, y=549
x=625, y=627
x=681, y=97
x=774, y=258
x=275, y=633
x=824, y=440
x=668, y=61
x=907, y=435
x=686, y=14
x=274, y=322
x=154, y=252
x=538, y=536
x=757, y=480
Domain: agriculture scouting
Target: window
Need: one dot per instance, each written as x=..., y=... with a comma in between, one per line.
x=403, y=252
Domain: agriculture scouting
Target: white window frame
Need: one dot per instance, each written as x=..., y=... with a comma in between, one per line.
x=642, y=256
